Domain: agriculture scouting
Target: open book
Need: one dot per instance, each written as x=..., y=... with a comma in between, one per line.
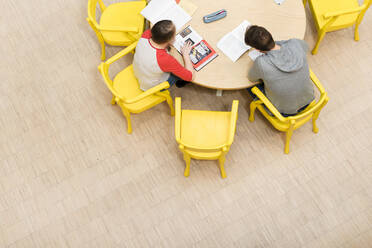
x=232, y=44
x=158, y=10
x=201, y=53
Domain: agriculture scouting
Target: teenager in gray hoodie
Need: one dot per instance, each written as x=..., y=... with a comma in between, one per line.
x=283, y=70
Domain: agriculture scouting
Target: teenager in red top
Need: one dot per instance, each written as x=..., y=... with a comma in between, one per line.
x=153, y=65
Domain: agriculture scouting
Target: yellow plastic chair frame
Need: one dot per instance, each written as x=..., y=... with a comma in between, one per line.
x=331, y=15
x=131, y=32
x=209, y=147
x=126, y=92
x=291, y=123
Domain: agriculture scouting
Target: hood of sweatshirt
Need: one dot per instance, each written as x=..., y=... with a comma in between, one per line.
x=287, y=58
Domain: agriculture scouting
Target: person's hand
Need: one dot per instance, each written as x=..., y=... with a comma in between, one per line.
x=185, y=50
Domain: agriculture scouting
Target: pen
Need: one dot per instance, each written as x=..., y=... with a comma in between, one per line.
x=222, y=11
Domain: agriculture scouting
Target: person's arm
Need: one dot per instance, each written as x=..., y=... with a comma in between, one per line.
x=167, y=63
x=254, y=73
x=185, y=50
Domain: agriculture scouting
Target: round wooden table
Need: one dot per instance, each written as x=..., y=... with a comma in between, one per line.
x=283, y=22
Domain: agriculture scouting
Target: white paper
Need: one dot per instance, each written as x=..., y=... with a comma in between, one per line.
x=180, y=40
x=254, y=54
x=232, y=44
x=158, y=10
x=239, y=31
x=154, y=9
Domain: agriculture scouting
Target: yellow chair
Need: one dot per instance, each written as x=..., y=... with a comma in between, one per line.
x=120, y=24
x=126, y=91
x=205, y=135
x=331, y=15
x=291, y=123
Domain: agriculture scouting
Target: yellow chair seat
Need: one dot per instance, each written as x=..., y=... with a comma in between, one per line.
x=321, y=7
x=204, y=129
x=119, y=15
x=205, y=135
x=126, y=85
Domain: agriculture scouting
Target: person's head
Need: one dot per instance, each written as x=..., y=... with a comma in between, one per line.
x=259, y=38
x=163, y=32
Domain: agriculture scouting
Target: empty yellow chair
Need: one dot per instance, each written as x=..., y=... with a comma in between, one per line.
x=126, y=91
x=331, y=15
x=205, y=135
x=291, y=123
x=120, y=24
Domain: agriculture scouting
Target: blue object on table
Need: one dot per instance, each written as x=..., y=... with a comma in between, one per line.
x=215, y=16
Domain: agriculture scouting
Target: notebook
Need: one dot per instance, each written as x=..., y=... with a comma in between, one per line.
x=158, y=10
x=201, y=53
x=232, y=44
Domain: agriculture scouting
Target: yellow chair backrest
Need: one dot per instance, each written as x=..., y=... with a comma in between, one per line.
x=126, y=90
x=104, y=69
x=290, y=123
x=92, y=4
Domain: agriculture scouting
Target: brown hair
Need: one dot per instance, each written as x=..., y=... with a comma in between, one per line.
x=163, y=31
x=259, y=38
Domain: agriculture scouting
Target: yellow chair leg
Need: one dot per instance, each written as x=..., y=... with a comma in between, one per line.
x=252, y=107
x=113, y=101
x=288, y=136
x=221, y=161
x=287, y=139
x=103, y=56
x=320, y=38
x=170, y=104
x=304, y=2
x=315, y=117
x=127, y=116
x=356, y=33
x=187, y=159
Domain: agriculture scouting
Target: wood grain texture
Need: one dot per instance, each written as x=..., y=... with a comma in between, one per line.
x=71, y=176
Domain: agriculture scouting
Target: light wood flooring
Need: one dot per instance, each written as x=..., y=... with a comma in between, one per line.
x=71, y=176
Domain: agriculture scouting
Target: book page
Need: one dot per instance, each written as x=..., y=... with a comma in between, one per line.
x=158, y=10
x=232, y=44
x=239, y=31
x=188, y=6
x=177, y=15
x=154, y=10
x=188, y=34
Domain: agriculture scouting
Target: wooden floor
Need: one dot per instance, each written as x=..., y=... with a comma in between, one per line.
x=71, y=176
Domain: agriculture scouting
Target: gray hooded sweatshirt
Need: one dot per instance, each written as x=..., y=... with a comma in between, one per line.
x=285, y=73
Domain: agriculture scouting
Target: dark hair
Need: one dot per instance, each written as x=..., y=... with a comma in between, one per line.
x=259, y=38
x=163, y=31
